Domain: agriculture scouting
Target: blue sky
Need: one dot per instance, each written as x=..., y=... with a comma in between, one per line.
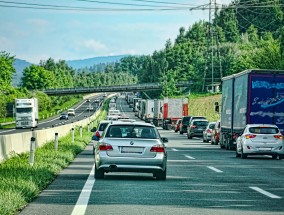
x=35, y=35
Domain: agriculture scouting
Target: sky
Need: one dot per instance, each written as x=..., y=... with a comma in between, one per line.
x=37, y=34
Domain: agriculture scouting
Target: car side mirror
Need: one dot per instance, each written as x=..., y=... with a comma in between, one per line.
x=93, y=129
x=165, y=140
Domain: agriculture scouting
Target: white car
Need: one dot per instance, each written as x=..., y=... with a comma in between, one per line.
x=259, y=139
x=208, y=132
x=71, y=112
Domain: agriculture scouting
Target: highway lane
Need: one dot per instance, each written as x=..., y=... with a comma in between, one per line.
x=80, y=110
x=201, y=179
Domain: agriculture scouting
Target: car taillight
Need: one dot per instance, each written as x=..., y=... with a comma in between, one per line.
x=105, y=147
x=208, y=131
x=98, y=134
x=157, y=148
x=193, y=126
x=278, y=137
x=250, y=136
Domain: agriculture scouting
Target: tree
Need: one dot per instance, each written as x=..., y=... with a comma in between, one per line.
x=6, y=70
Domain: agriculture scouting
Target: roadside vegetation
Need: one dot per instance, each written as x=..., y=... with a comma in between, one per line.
x=20, y=182
x=204, y=105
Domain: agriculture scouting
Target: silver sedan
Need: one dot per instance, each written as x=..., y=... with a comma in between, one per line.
x=131, y=147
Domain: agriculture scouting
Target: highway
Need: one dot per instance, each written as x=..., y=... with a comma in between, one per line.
x=80, y=110
x=201, y=179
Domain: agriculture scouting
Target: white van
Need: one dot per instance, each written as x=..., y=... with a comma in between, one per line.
x=71, y=112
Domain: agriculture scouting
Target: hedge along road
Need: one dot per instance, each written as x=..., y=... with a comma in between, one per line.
x=201, y=179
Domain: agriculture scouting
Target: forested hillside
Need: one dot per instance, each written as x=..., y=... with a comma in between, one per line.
x=242, y=35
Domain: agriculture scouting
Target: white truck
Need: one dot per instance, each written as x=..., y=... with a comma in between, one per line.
x=26, y=113
x=149, y=110
x=158, y=112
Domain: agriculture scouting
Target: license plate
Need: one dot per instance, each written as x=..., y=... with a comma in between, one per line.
x=131, y=150
x=264, y=149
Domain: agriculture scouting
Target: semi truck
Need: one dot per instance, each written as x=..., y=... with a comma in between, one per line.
x=158, y=112
x=173, y=109
x=250, y=97
x=26, y=112
x=149, y=110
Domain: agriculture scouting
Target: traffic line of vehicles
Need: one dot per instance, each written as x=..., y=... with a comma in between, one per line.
x=252, y=115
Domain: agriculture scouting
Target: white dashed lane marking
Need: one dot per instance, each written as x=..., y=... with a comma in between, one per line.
x=214, y=169
x=189, y=157
x=265, y=193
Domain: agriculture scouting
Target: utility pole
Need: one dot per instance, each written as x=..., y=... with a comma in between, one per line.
x=212, y=8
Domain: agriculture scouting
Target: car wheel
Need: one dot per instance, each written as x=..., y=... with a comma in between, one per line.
x=162, y=175
x=243, y=155
x=189, y=136
x=204, y=141
x=274, y=157
x=212, y=142
x=99, y=174
x=181, y=132
x=281, y=157
x=237, y=154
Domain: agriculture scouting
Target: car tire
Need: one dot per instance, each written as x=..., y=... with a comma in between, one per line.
x=243, y=155
x=274, y=157
x=212, y=142
x=161, y=175
x=204, y=141
x=189, y=137
x=281, y=157
x=237, y=154
x=181, y=132
x=99, y=174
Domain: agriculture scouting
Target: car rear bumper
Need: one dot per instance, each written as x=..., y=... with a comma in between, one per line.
x=131, y=164
x=257, y=151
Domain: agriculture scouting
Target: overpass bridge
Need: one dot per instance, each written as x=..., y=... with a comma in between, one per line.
x=116, y=88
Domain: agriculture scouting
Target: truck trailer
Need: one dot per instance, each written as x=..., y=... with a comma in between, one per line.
x=251, y=97
x=173, y=109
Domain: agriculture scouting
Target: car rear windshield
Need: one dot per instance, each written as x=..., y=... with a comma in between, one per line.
x=130, y=131
x=200, y=123
x=103, y=126
x=185, y=119
x=263, y=130
x=211, y=126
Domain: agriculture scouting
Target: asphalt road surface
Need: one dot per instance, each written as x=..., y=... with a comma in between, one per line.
x=201, y=179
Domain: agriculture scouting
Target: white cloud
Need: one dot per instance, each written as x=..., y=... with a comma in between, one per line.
x=38, y=22
x=6, y=44
x=94, y=45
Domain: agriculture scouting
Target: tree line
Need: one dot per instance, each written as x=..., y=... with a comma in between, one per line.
x=243, y=35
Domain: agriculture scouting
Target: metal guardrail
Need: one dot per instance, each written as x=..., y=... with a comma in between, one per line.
x=117, y=88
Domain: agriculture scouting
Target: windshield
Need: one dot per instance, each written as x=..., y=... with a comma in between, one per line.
x=103, y=126
x=200, y=123
x=263, y=130
x=23, y=110
x=129, y=131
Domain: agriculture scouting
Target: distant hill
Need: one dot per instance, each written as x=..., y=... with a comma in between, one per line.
x=79, y=64
x=20, y=65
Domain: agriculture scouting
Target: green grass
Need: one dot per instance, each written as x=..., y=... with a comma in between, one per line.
x=204, y=105
x=20, y=183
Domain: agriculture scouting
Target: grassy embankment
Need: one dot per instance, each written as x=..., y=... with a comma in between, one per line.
x=20, y=183
x=204, y=105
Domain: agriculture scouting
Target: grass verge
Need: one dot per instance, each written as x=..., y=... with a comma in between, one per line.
x=20, y=183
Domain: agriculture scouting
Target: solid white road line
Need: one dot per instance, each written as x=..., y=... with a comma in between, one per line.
x=175, y=150
x=214, y=169
x=7, y=131
x=189, y=157
x=265, y=193
x=82, y=202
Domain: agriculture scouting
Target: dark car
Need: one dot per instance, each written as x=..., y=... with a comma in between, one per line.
x=177, y=125
x=184, y=124
x=196, y=128
x=63, y=116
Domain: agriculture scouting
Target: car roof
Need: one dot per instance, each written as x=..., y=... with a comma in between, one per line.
x=262, y=125
x=194, y=120
x=131, y=123
x=105, y=121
